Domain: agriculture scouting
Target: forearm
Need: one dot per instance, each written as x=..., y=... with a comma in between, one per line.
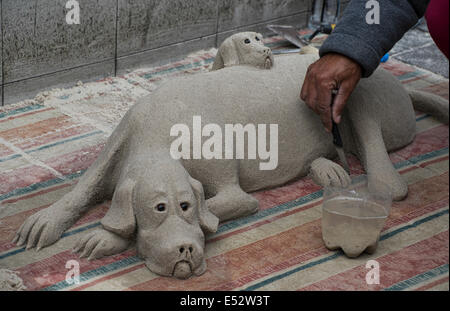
x=367, y=43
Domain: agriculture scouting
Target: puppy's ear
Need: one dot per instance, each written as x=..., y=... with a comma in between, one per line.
x=228, y=51
x=218, y=61
x=208, y=221
x=120, y=217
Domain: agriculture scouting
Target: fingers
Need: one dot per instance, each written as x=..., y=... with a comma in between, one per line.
x=323, y=108
x=316, y=92
x=340, y=100
x=305, y=86
x=329, y=72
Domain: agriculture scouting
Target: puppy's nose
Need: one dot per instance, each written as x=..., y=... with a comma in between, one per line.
x=266, y=51
x=186, y=249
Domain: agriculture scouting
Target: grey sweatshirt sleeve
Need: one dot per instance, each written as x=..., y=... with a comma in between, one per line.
x=367, y=43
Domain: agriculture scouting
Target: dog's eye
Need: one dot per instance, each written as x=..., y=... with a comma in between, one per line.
x=247, y=41
x=184, y=206
x=257, y=38
x=160, y=207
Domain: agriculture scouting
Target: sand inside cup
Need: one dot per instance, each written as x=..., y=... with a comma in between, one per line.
x=352, y=224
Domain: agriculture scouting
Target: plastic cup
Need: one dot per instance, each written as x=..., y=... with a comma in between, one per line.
x=353, y=217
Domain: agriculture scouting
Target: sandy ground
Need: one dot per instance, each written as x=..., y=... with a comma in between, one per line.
x=418, y=48
x=103, y=103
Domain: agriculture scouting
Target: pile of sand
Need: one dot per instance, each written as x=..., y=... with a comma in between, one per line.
x=10, y=281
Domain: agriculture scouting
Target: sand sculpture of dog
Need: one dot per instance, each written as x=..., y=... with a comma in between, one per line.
x=244, y=48
x=167, y=204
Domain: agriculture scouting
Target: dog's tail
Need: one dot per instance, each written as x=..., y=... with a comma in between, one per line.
x=430, y=104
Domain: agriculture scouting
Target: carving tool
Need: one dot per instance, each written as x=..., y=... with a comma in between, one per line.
x=337, y=139
x=325, y=29
x=290, y=34
x=285, y=51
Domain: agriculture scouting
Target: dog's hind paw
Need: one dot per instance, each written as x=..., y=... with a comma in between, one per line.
x=328, y=173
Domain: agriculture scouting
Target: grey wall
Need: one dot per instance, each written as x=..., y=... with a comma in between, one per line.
x=39, y=50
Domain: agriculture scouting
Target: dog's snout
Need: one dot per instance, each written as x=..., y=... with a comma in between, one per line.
x=187, y=249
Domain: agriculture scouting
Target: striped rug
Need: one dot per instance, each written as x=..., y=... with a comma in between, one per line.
x=47, y=143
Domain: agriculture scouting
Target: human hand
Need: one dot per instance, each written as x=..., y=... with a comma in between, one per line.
x=332, y=71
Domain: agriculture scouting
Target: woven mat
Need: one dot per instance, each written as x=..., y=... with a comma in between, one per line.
x=47, y=143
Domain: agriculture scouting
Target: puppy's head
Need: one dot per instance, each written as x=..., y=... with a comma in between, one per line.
x=166, y=210
x=244, y=48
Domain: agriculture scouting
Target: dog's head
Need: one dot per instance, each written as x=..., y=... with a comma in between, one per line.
x=244, y=48
x=166, y=209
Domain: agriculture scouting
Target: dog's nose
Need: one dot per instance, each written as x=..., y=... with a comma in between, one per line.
x=186, y=249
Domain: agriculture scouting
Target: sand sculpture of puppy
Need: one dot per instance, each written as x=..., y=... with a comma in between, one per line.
x=244, y=48
x=166, y=204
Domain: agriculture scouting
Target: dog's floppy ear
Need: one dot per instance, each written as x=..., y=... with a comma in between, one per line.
x=227, y=55
x=120, y=217
x=208, y=221
x=229, y=52
x=218, y=62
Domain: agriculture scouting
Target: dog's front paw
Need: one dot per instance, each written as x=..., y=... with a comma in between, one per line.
x=41, y=229
x=100, y=243
x=327, y=173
